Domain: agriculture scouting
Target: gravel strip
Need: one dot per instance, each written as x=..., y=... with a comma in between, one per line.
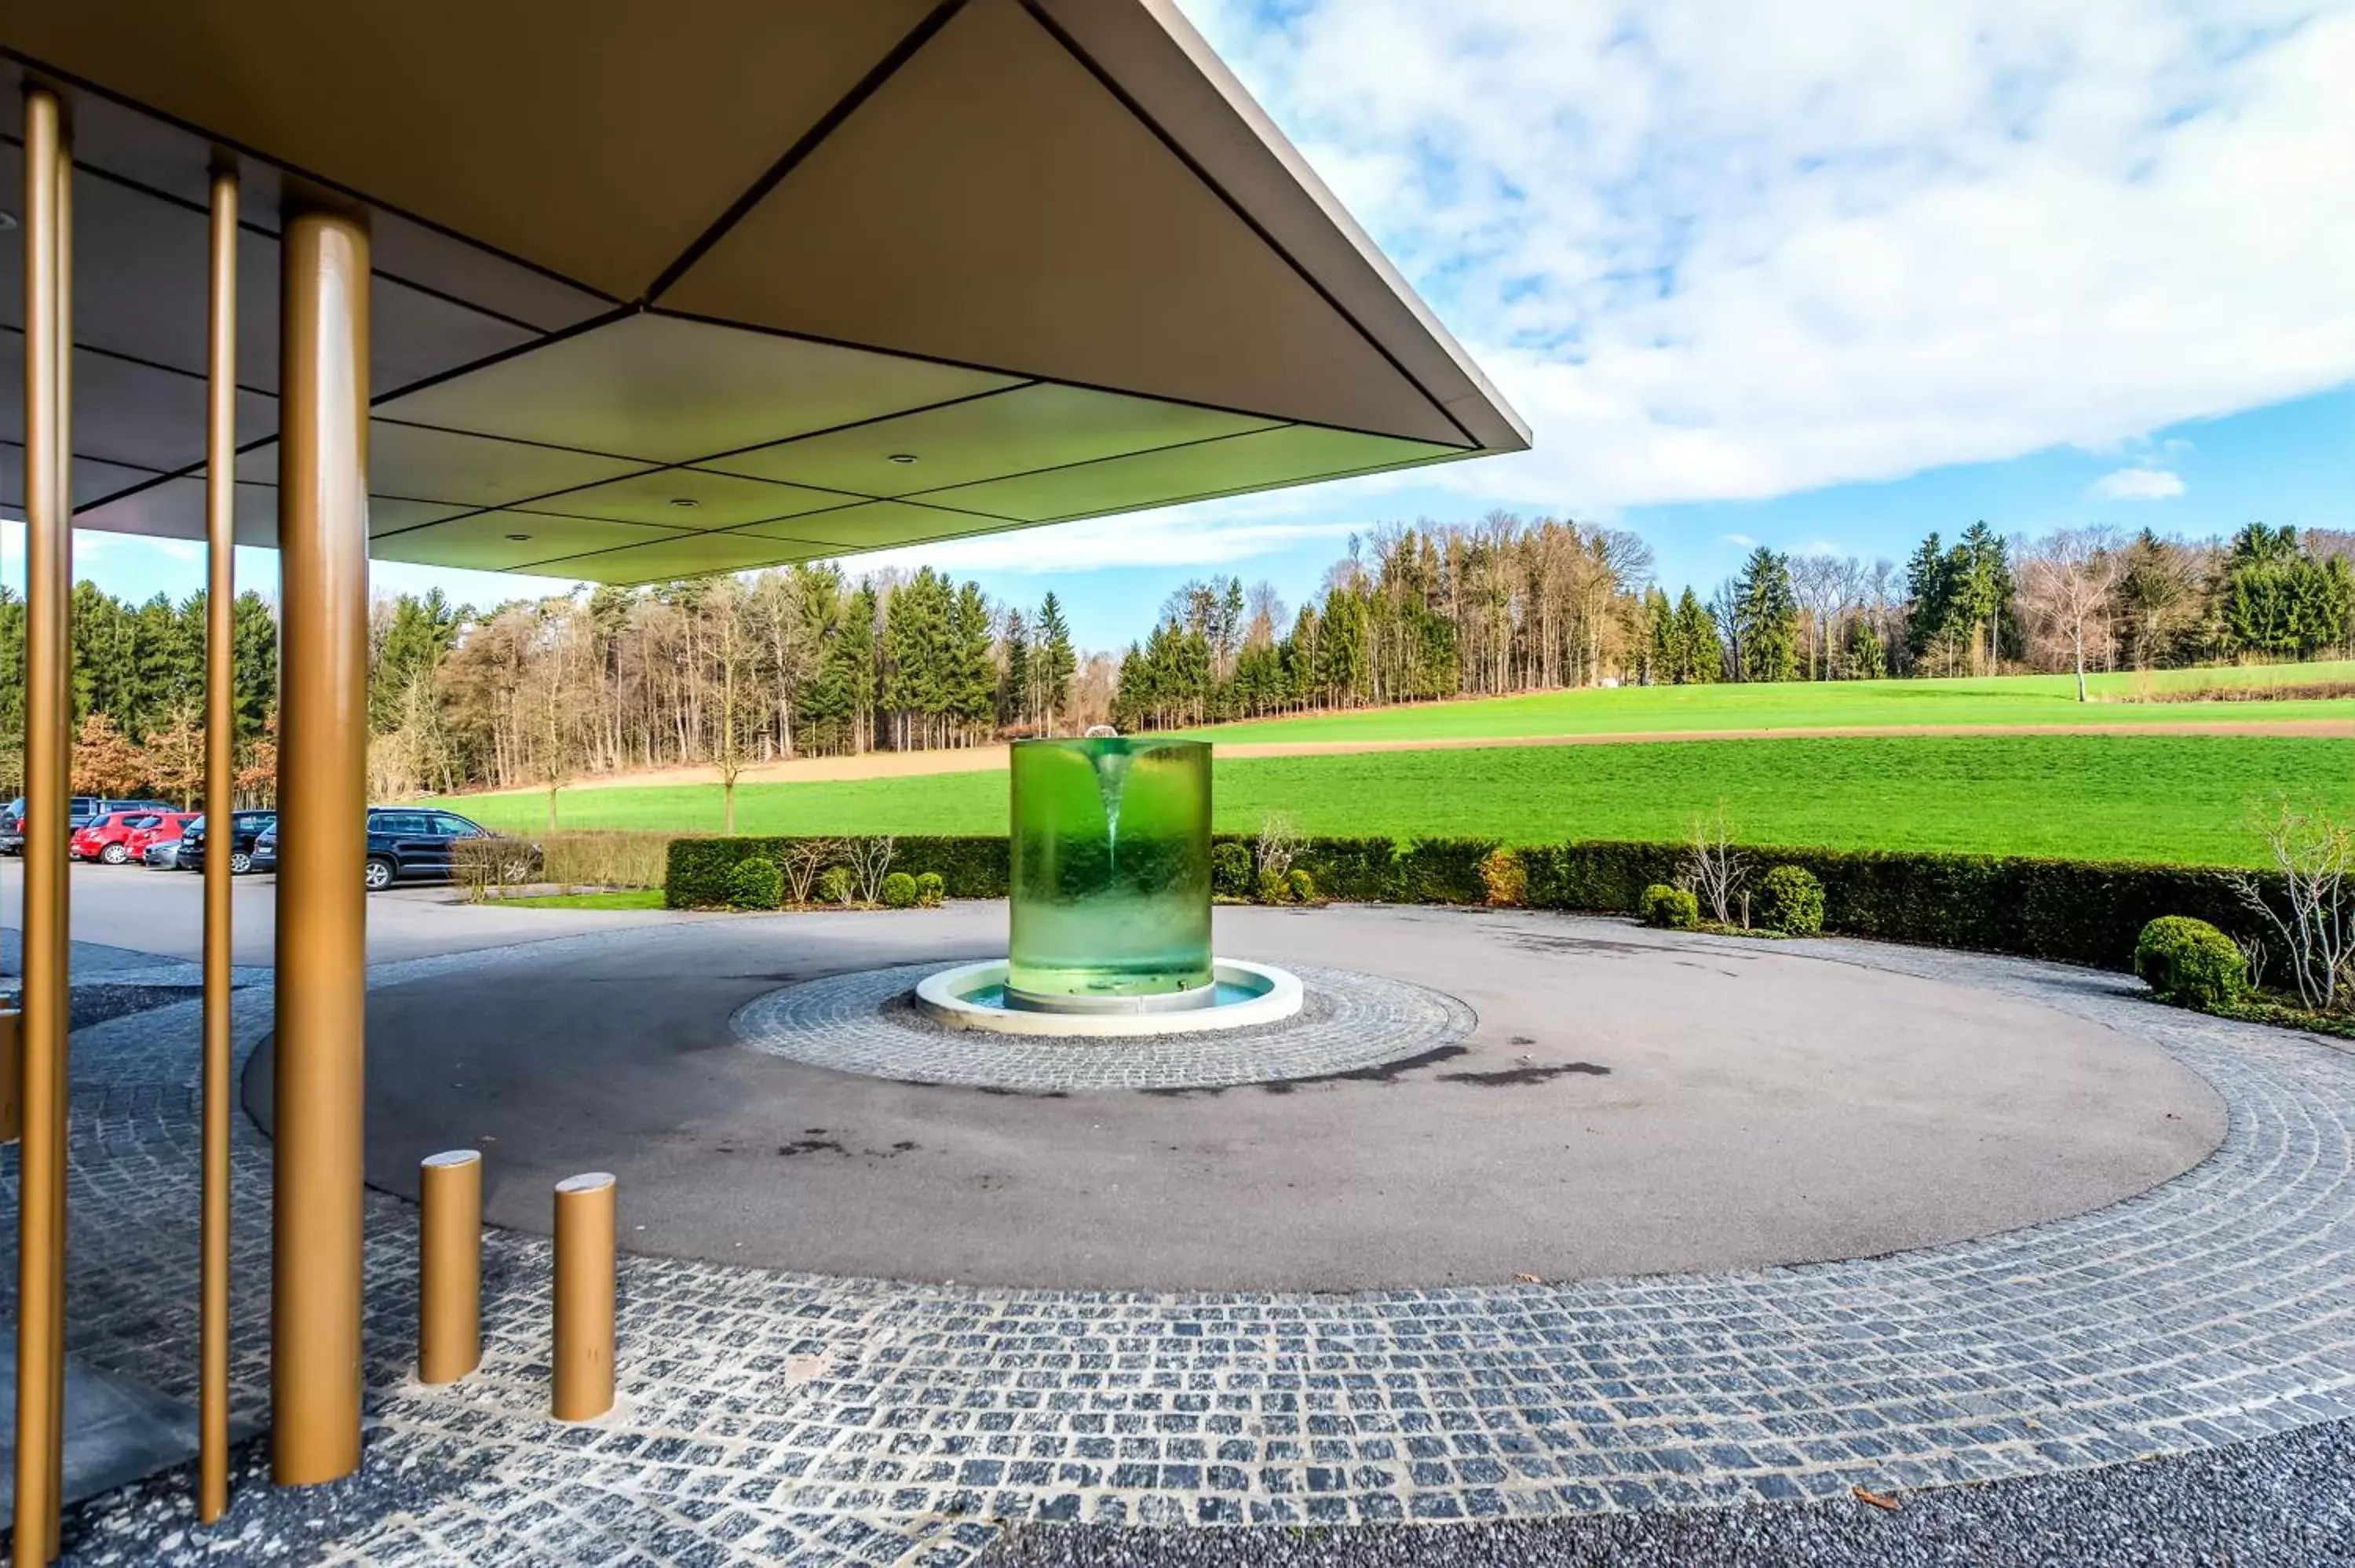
x=2287, y=1500
x=153, y=1522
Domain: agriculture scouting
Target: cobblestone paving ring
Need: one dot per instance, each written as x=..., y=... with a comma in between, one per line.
x=862, y=1022
x=769, y=1417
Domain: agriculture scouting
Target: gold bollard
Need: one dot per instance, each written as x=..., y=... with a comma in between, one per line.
x=449, y=1266
x=584, y=1297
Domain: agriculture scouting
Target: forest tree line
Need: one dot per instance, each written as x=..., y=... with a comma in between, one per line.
x=728, y=672
x=1504, y=605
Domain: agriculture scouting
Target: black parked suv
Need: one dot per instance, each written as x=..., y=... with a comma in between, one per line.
x=244, y=828
x=403, y=841
x=80, y=812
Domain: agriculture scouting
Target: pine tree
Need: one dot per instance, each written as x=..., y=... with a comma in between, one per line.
x=12, y=692
x=1015, y=695
x=1659, y=638
x=2280, y=602
x=1341, y=647
x=1983, y=571
x=1867, y=658
x=253, y=659
x=1768, y=614
x=1057, y=662
x=105, y=667
x=419, y=637
x=972, y=692
x=1700, y=657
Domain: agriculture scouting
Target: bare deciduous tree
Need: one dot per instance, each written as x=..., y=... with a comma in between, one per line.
x=803, y=860
x=1822, y=584
x=732, y=651
x=1714, y=870
x=869, y=859
x=2065, y=582
x=1278, y=843
x=2314, y=855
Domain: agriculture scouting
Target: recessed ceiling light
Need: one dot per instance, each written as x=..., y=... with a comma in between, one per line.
x=687, y=502
x=519, y=538
x=904, y=456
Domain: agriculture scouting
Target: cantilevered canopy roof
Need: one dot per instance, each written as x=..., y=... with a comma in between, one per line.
x=663, y=288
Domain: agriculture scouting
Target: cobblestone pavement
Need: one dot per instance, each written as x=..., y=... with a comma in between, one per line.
x=862, y=1022
x=769, y=1417
x=2282, y=1502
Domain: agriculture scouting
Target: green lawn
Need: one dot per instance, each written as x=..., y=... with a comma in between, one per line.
x=2165, y=798
x=624, y=899
x=1994, y=700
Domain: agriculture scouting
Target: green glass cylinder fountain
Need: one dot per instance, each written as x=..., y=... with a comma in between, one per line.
x=1111, y=893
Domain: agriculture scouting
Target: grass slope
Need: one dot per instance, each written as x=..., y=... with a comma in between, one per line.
x=2186, y=799
x=1994, y=700
x=621, y=898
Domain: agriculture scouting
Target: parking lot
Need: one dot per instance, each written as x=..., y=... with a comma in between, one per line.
x=162, y=912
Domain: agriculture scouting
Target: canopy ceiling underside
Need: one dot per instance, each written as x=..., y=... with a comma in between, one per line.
x=705, y=287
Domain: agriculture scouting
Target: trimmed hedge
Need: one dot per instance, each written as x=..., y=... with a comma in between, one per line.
x=1231, y=870
x=2082, y=912
x=1507, y=882
x=697, y=875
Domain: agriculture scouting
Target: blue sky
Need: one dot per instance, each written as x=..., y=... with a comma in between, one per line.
x=1823, y=274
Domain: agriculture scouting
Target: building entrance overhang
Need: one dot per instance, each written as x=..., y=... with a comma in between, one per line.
x=659, y=290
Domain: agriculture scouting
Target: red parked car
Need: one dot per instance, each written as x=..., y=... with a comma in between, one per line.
x=108, y=838
x=161, y=829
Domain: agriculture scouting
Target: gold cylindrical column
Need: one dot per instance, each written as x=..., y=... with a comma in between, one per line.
x=584, y=1297
x=49, y=710
x=449, y=1266
x=322, y=838
x=220, y=805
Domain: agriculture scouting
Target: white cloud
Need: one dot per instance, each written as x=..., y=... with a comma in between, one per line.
x=1714, y=250
x=2138, y=484
x=1744, y=540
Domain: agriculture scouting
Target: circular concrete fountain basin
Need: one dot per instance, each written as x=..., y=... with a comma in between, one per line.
x=973, y=996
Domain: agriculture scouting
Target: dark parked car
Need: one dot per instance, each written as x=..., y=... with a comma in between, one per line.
x=403, y=842
x=244, y=828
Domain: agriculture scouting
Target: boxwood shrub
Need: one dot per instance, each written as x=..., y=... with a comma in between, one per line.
x=1670, y=909
x=899, y=891
x=2082, y=912
x=755, y=882
x=2190, y=962
x=1790, y=900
